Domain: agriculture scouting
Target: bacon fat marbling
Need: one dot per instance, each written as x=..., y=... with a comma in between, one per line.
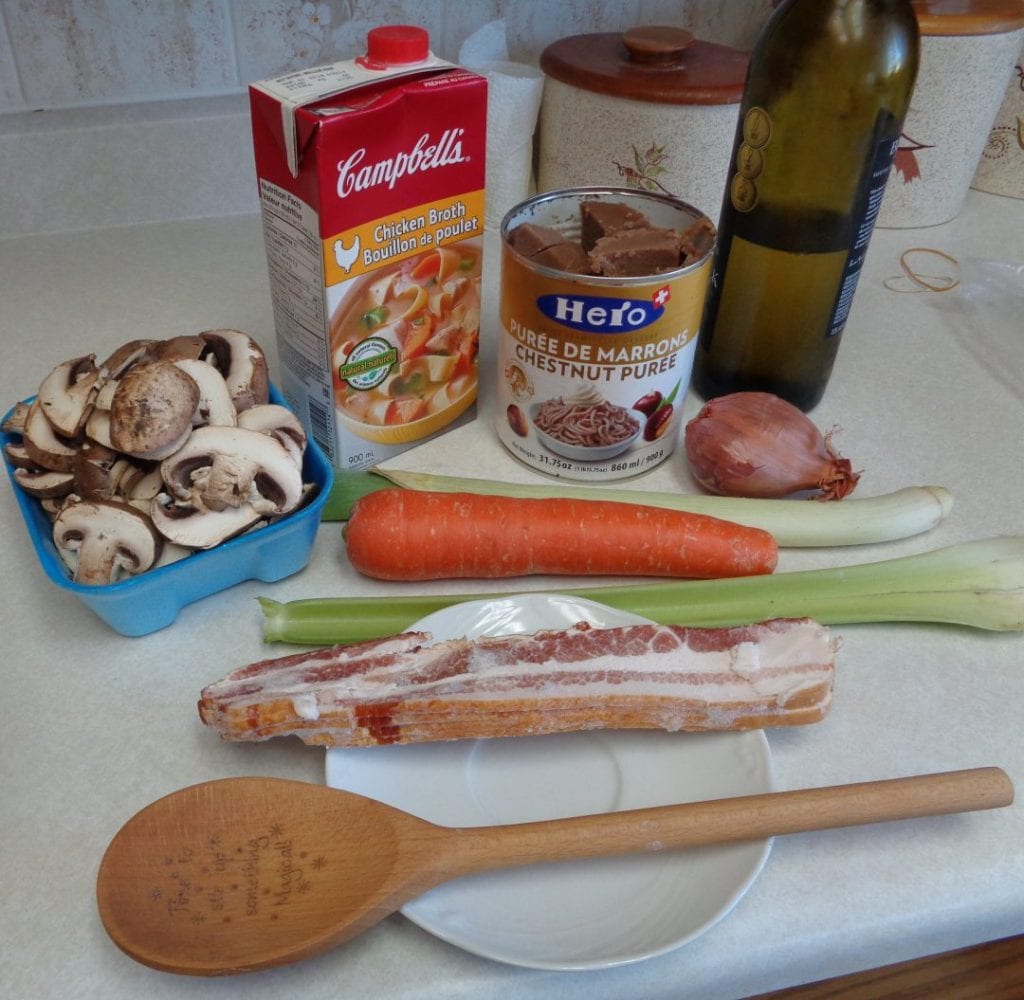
x=409, y=689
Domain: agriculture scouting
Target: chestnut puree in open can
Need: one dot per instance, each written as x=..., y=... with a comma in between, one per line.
x=602, y=291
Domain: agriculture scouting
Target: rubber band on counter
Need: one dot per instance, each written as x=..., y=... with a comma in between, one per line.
x=923, y=282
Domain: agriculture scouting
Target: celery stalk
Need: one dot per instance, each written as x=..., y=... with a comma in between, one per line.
x=793, y=523
x=979, y=584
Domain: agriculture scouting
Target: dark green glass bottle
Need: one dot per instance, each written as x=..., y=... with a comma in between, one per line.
x=827, y=89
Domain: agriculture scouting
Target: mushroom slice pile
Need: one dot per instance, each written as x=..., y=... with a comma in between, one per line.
x=102, y=541
x=168, y=439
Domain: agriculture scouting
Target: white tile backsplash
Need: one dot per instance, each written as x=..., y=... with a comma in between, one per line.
x=68, y=53
x=110, y=51
x=122, y=111
x=532, y=26
x=275, y=37
x=462, y=19
x=727, y=22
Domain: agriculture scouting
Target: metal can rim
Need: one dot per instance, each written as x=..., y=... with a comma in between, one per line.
x=607, y=192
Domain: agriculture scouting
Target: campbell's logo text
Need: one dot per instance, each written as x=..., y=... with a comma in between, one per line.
x=354, y=175
x=596, y=314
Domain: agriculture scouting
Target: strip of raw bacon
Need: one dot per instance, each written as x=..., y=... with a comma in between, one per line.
x=406, y=690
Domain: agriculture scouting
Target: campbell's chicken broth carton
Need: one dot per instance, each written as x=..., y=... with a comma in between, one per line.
x=371, y=181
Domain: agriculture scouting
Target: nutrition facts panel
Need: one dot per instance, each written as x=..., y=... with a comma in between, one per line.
x=293, y=247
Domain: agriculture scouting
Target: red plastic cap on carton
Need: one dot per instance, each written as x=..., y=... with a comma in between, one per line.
x=395, y=44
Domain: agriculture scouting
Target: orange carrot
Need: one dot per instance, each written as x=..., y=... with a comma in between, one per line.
x=397, y=534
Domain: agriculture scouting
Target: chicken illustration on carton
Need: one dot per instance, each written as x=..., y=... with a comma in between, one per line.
x=371, y=181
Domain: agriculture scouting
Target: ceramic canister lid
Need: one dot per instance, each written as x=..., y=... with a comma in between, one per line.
x=652, y=63
x=968, y=17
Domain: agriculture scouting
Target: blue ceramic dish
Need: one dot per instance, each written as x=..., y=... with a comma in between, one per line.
x=152, y=600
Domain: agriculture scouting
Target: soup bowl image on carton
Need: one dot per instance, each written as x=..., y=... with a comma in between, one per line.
x=425, y=313
x=602, y=291
x=371, y=179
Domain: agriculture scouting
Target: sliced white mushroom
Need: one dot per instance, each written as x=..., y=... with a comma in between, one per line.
x=196, y=528
x=102, y=541
x=243, y=364
x=126, y=356
x=98, y=470
x=151, y=412
x=215, y=406
x=43, y=483
x=66, y=395
x=180, y=348
x=221, y=467
x=14, y=422
x=18, y=456
x=105, y=397
x=279, y=422
x=43, y=445
x=97, y=426
x=140, y=486
x=52, y=506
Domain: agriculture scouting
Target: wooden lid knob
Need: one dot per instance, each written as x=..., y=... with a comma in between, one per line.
x=657, y=46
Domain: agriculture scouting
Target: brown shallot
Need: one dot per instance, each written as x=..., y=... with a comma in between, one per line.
x=754, y=444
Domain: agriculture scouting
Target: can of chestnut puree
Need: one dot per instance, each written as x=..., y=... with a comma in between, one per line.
x=602, y=291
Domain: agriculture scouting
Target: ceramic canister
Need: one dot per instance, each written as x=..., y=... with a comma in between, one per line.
x=1001, y=167
x=968, y=52
x=653, y=109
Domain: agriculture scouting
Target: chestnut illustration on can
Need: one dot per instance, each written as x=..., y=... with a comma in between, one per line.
x=648, y=402
x=657, y=423
x=517, y=420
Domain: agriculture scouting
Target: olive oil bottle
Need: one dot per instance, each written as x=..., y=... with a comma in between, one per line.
x=827, y=89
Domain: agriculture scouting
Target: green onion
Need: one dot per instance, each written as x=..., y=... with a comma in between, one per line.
x=347, y=488
x=979, y=584
x=793, y=523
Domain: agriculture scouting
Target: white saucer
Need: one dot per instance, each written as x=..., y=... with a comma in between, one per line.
x=581, y=914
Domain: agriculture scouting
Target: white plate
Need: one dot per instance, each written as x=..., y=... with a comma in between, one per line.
x=579, y=914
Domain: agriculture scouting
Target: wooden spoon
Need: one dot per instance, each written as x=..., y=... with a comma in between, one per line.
x=249, y=873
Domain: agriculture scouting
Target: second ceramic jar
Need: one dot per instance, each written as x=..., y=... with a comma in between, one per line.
x=653, y=109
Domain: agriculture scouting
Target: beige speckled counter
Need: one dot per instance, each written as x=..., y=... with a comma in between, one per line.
x=928, y=389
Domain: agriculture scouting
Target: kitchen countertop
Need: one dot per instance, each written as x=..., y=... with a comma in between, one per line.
x=928, y=388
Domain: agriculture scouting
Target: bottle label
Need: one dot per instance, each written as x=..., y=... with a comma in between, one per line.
x=865, y=212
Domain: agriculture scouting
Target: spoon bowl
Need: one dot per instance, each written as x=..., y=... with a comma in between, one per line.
x=248, y=873
x=242, y=874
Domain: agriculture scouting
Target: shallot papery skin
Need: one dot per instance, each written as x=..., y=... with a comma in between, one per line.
x=754, y=444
